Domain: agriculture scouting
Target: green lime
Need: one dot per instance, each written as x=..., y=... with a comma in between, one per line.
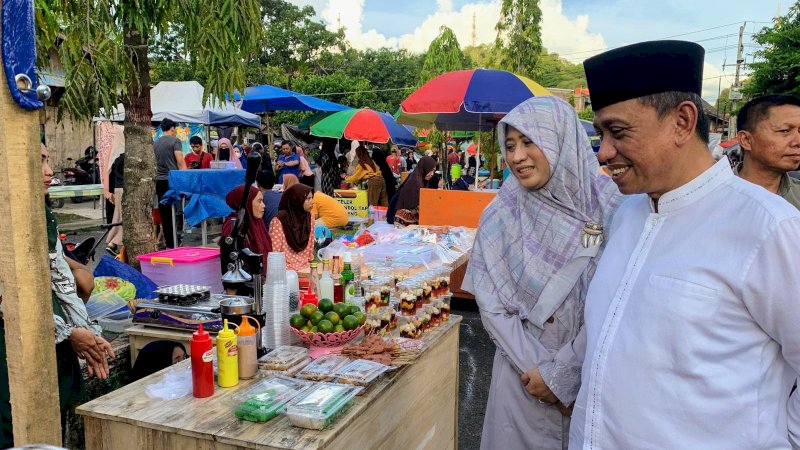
x=316, y=316
x=341, y=309
x=297, y=321
x=325, y=305
x=361, y=317
x=306, y=328
x=351, y=322
x=307, y=310
x=338, y=328
x=325, y=326
x=332, y=317
x=354, y=309
x=313, y=329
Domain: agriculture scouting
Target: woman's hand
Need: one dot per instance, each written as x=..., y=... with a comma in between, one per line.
x=94, y=349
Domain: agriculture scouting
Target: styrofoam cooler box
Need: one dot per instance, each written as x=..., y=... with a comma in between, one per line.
x=184, y=265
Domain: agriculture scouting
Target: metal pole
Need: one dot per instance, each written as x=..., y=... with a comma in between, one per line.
x=739, y=61
x=478, y=152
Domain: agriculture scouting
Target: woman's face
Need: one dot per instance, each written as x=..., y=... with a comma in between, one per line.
x=429, y=175
x=309, y=202
x=237, y=152
x=47, y=172
x=526, y=160
x=178, y=355
x=258, y=206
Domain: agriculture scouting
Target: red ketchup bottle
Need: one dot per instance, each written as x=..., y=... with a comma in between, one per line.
x=309, y=297
x=202, y=364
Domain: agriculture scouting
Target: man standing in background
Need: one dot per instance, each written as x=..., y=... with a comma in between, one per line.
x=169, y=156
x=769, y=134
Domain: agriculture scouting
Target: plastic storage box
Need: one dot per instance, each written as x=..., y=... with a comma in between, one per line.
x=321, y=404
x=184, y=265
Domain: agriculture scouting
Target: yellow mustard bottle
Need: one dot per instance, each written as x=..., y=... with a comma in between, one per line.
x=227, y=357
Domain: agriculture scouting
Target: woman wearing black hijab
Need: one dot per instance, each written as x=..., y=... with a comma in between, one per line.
x=406, y=210
x=156, y=356
x=379, y=156
x=292, y=229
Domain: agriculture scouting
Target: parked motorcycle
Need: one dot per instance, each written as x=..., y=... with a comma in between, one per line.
x=85, y=251
x=85, y=171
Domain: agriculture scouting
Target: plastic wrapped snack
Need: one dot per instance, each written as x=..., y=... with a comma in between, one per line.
x=266, y=399
x=283, y=358
x=360, y=372
x=291, y=371
x=324, y=368
x=320, y=405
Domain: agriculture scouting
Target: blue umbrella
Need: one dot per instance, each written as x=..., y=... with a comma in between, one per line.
x=263, y=98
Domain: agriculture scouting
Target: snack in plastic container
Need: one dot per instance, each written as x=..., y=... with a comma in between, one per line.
x=266, y=399
x=320, y=405
x=445, y=307
x=283, y=358
x=373, y=323
x=324, y=368
x=291, y=371
x=360, y=372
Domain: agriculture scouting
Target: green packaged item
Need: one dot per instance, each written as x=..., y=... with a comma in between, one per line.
x=320, y=405
x=266, y=399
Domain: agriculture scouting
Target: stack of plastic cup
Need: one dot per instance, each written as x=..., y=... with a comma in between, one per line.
x=276, y=302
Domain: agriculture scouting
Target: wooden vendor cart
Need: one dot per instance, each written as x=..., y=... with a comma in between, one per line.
x=413, y=407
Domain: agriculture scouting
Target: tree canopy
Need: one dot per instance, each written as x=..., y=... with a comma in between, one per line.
x=444, y=55
x=519, y=35
x=777, y=66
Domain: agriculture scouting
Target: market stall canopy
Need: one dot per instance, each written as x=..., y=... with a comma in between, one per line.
x=182, y=101
x=264, y=98
x=467, y=100
x=363, y=125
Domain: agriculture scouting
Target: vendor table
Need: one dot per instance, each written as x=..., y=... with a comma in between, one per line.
x=414, y=407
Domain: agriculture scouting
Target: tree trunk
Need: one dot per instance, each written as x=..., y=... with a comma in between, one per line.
x=140, y=164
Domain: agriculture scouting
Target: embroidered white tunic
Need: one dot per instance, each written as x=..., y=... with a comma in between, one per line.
x=692, y=322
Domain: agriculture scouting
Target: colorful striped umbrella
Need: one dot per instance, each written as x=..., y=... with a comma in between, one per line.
x=467, y=100
x=363, y=125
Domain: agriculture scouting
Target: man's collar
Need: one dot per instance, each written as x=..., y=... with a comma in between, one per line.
x=695, y=189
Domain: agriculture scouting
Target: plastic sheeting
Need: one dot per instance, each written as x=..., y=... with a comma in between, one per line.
x=206, y=191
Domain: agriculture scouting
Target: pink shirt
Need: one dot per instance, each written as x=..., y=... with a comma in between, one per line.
x=294, y=260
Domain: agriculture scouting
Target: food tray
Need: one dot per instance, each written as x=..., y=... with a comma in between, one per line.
x=266, y=399
x=320, y=405
x=327, y=339
x=283, y=357
x=324, y=368
x=360, y=372
x=183, y=294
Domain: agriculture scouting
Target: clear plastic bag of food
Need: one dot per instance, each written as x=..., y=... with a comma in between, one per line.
x=323, y=368
x=283, y=357
x=360, y=372
x=320, y=405
x=266, y=399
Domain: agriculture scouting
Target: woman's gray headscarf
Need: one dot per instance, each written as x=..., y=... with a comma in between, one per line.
x=525, y=236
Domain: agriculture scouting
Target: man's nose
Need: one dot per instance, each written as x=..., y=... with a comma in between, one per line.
x=606, y=152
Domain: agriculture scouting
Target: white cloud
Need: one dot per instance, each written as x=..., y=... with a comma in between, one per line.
x=559, y=33
x=714, y=81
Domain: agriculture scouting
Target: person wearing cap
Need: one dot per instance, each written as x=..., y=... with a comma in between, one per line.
x=691, y=336
x=769, y=135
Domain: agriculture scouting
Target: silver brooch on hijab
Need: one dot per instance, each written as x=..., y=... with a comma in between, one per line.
x=591, y=235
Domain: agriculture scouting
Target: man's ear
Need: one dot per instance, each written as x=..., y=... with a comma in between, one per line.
x=745, y=140
x=686, y=117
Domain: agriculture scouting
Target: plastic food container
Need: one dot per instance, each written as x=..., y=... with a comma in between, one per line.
x=373, y=323
x=320, y=405
x=441, y=284
x=324, y=368
x=400, y=271
x=372, y=295
x=388, y=319
x=283, y=357
x=407, y=294
x=268, y=398
x=183, y=265
x=360, y=372
x=436, y=312
x=408, y=327
x=386, y=285
x=445, y=306
x=425, y=316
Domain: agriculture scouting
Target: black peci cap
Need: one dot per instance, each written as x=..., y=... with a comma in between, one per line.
x=643, y=69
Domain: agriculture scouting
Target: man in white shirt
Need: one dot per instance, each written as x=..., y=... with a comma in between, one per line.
x=692, y=319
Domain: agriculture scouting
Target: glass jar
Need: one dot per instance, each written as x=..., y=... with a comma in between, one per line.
x=372, y=295
x=445, y=307
x=407, y=294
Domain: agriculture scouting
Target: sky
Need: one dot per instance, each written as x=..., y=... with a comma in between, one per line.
x=576, y=29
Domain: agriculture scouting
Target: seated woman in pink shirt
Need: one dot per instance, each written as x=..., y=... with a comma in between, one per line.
x=292, y=229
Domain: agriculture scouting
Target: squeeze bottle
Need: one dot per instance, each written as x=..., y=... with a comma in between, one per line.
x=227, y=357
x=202, y=364
x=248, y=353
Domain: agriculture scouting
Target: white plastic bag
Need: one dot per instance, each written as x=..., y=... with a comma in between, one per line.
x=174, y=384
